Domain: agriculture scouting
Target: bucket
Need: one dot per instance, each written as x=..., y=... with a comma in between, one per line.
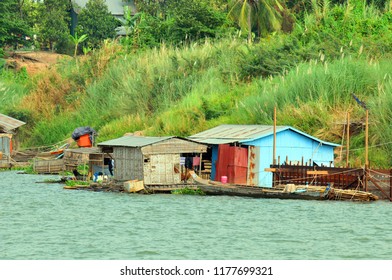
x=84, y=141
x=224, y=179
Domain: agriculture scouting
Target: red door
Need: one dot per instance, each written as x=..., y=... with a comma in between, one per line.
x=233, y=163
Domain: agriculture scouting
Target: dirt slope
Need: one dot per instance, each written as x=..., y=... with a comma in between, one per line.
x=34, y=62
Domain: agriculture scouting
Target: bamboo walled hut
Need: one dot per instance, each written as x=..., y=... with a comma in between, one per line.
x=242, y=152
x=8, y=138
x=154, y=160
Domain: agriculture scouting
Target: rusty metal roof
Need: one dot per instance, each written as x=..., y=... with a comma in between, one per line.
x=133, y=141
x=232, y=133
x=8, y=124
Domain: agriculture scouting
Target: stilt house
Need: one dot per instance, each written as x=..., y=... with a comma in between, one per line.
x=155, y=160
x=242, y=152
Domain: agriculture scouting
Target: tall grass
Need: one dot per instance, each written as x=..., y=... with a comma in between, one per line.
x=309, y=75
x=13, y=87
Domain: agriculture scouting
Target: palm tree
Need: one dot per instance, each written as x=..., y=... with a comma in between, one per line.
x=261, y=15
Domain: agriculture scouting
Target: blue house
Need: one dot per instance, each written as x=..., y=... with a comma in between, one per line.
x=242, y=152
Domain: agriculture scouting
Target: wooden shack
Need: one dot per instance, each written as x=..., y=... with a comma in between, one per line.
x=8, y=139
x=155, y=160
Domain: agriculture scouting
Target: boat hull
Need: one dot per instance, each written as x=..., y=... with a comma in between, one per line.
x=258, y=192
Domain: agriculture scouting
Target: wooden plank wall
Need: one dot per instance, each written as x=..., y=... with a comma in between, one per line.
x=344, y=178
x=128, y=163
x=174, y=146
x=51, y=166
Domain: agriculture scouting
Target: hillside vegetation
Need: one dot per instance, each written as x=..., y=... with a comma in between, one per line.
x=310, y=75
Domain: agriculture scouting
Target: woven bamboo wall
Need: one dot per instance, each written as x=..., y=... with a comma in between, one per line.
x=162, y=169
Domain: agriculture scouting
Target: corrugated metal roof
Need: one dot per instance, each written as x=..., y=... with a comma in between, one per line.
x=133, y=141
x=90, y=150
x=7, y=123
x=231, y=133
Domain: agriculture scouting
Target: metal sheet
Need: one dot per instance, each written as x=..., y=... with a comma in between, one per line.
x=231, y=133
x=233, y=163
x=5, y=144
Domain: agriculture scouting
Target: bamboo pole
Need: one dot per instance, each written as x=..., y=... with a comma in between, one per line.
x=274, y=148
x=348, y=139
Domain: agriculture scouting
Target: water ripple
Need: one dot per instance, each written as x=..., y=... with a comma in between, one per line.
x=44, y=221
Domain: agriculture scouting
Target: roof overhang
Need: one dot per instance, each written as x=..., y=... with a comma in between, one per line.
x=9, y=124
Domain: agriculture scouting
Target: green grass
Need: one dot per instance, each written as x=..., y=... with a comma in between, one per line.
x=309, y=75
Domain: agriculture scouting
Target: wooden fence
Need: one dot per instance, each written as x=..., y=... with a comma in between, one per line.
x=379, y=181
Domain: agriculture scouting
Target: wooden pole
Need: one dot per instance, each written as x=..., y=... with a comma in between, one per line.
x=348, y=139
x=366, y=149
x=201, y=158
x=390, y=184
x=274, y=148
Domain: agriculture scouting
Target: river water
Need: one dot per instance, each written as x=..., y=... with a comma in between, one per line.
x=43, y=221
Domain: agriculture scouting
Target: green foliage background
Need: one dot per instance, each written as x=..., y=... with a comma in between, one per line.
x=189, y=83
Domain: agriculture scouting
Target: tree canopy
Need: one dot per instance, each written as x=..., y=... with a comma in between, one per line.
x=96, y=22
x=13, y=28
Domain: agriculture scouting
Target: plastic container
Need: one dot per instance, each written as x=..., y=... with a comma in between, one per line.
x=224, y=179
x=84, y=141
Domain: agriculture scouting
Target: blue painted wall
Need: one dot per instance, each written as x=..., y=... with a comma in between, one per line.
x=295, y=146
x=214, y=158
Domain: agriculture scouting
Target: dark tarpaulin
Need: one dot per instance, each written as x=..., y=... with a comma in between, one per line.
x=82, y=131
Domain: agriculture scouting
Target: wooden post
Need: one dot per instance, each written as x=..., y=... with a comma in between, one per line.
x=274, y=148
x=348, y=139
x=390, y=184
x=366, y=150
x=201, y=157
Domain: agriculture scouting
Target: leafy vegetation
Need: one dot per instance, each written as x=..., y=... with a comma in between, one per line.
x=188, y=67
x=96, y=22
x=72, y=183
x=188, y=191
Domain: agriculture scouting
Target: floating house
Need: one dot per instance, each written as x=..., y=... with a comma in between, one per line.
x=8, y=138
x=154, y=160
x=241, y=153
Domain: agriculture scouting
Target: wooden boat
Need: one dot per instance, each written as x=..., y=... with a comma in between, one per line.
x=217, y=188
x=289, y=191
